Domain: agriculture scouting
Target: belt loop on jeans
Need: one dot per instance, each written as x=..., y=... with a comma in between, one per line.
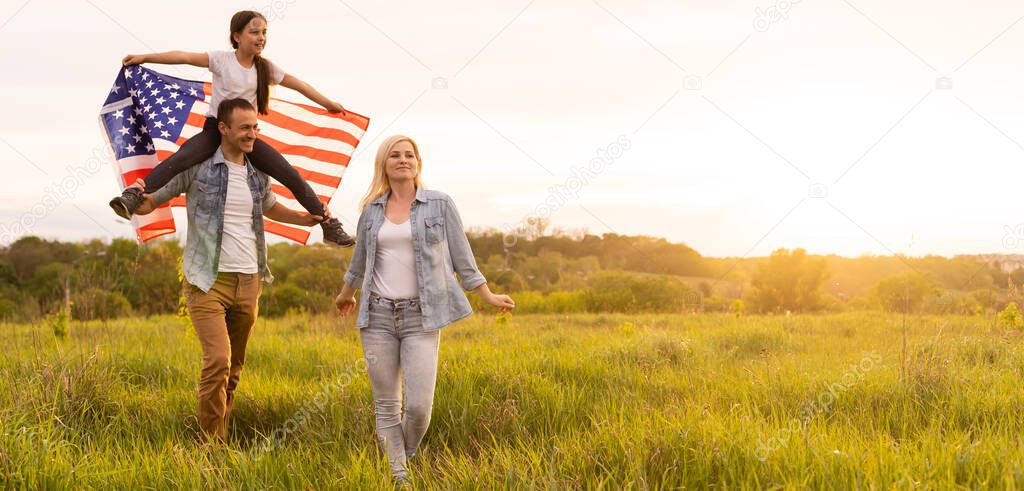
x=395, y=303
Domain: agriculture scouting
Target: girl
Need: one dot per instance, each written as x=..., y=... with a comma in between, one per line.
x=246, y=74
x=409, y=243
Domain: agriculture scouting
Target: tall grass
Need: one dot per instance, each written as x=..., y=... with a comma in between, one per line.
x=541, y=401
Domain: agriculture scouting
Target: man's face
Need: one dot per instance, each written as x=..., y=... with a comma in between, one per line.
x=242, y=130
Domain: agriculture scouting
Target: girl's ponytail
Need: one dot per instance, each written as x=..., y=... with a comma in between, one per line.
x=262, y=84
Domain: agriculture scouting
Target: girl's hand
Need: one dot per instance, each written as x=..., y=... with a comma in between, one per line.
x=133, y=60
x=335, y=107
x=345, y=305
x=504, y=303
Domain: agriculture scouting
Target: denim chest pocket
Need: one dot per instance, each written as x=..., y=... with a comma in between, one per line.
x=207, y=182
x=206, y=189
x=434, y=229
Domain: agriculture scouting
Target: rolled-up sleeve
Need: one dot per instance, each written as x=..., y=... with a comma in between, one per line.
x=269, y=199
x=357, y=267
x=458, y=246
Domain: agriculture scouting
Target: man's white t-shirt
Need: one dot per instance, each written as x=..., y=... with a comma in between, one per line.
x=394, y=269
x=238, y=245
x=231, y=80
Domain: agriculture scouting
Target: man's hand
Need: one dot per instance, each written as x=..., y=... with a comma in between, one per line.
x=149, y=204
x=315, y=219
x=281, y=213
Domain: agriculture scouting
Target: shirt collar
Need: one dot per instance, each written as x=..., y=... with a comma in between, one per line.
x=218, y=158
x=421, y=195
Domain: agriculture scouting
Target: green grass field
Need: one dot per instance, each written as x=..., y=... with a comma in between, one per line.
x=582, y=401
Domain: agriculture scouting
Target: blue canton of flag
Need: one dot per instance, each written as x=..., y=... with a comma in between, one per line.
x=143, y=105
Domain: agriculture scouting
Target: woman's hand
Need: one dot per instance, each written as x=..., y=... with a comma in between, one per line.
x=133, y=60
x=335, y=107
x=504, y=303
x=345, y=304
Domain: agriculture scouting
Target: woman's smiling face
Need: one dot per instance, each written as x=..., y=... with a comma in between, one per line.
x=402, y=162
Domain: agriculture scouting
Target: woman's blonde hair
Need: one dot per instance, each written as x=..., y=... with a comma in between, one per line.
x=380, y=184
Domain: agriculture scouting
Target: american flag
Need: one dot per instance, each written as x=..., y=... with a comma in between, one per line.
x=148, y=115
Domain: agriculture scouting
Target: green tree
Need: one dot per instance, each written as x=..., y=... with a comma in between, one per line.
x=905, y=292
x=789, y=281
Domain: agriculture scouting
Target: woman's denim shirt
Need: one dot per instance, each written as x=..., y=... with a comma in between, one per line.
x=440, y=248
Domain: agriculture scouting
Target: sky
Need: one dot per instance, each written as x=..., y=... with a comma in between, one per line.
x=736, y=127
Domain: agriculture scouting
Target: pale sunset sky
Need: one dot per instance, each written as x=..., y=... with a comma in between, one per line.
x=839, y=126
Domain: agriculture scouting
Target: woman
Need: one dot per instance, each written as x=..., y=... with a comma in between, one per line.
x=242, y=73
x=410, y=241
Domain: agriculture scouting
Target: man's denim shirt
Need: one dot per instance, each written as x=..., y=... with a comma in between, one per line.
x=206, y=186
x=440, y=248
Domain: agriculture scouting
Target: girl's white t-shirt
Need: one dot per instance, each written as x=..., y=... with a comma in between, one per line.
x=394, y=269
x=231, y=80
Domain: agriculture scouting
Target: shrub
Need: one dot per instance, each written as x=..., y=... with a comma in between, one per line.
x=322, y=280
x=613, y=291
x=97, y=303
x=8, y=308
x=285, y=297
x=1010, y=316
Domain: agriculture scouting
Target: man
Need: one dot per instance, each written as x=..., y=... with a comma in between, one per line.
x=225, y=256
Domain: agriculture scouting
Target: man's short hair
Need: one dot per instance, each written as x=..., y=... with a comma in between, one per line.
x=226, y=109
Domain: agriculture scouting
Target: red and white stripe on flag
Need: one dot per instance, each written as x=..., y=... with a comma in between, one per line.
x=317, y=143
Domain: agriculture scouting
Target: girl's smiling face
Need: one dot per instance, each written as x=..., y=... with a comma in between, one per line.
x=253, y=37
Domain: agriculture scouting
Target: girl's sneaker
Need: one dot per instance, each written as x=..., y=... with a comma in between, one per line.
x=126, y=204
x=334, y=233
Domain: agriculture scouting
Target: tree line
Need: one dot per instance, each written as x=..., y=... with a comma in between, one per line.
x=559, y=272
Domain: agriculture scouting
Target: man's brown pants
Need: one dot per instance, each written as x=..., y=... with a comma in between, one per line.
x=223, y=318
